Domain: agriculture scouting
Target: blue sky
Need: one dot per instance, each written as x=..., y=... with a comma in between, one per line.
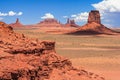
x=33, y=11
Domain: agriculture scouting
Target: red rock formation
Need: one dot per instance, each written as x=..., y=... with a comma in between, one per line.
x=93, y=26
x=22, y=58
x=16, y=24
x=68, y=21
x=71, y=23
x=49, y=23
x=94, y=16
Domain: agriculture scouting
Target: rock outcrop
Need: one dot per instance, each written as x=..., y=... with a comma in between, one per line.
x=94, y=16
x=49, y=23
x=93, y=26
x=22, y=58
x=55, y=23
x=16, y=24
x=71, y=23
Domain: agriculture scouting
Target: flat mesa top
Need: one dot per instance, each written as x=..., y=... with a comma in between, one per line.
x=94, y=11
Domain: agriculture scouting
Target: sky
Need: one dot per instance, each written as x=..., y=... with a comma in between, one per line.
x=34, y=11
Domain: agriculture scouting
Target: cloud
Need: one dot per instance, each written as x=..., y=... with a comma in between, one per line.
x=110, y=11
x=65, y=16
x=48, y=16
x=11, y=13
x=81, y=17
x=3, y=14
x=108, y=6
x=20, y=13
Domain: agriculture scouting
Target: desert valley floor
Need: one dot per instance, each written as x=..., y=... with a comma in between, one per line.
x=96, y=53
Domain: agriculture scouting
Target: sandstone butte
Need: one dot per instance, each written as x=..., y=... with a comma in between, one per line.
x=93, y=26
x=22, y=58
x=16, y=24
x=71, y=23
x=48, y=23
x=54, y=23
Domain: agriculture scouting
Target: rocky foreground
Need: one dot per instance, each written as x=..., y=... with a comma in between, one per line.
x=22, y=58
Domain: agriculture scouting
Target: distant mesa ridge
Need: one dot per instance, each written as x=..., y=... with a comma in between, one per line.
x=93, y=25
x=49, y=21
x=55, y=23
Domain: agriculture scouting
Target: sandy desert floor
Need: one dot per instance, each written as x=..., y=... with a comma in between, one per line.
x=96, y=53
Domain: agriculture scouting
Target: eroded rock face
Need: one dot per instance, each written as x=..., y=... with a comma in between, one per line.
x=49, y=21
x=22, y=58
x=94, y=16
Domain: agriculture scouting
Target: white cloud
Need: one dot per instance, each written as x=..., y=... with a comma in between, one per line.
x=80, y=17
x=65, y=16
x=108, y=6
x=110, y=11
x=3, y=14
x=11, y=13
x=73, y=15
x=48, y=16
x=20, y=13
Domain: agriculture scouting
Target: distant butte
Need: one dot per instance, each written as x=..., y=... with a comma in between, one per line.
x=54, y=23
x=49, y=23
x=16, y=24
x=93, y=26
x=71, y=23
x=94, y=16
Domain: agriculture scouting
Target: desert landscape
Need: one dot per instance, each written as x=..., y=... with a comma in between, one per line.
x=55, y=50
x=93, y=50
x=96, y=53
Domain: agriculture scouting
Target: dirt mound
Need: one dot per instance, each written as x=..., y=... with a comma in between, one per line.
x=22, y=58
x=16, y=24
